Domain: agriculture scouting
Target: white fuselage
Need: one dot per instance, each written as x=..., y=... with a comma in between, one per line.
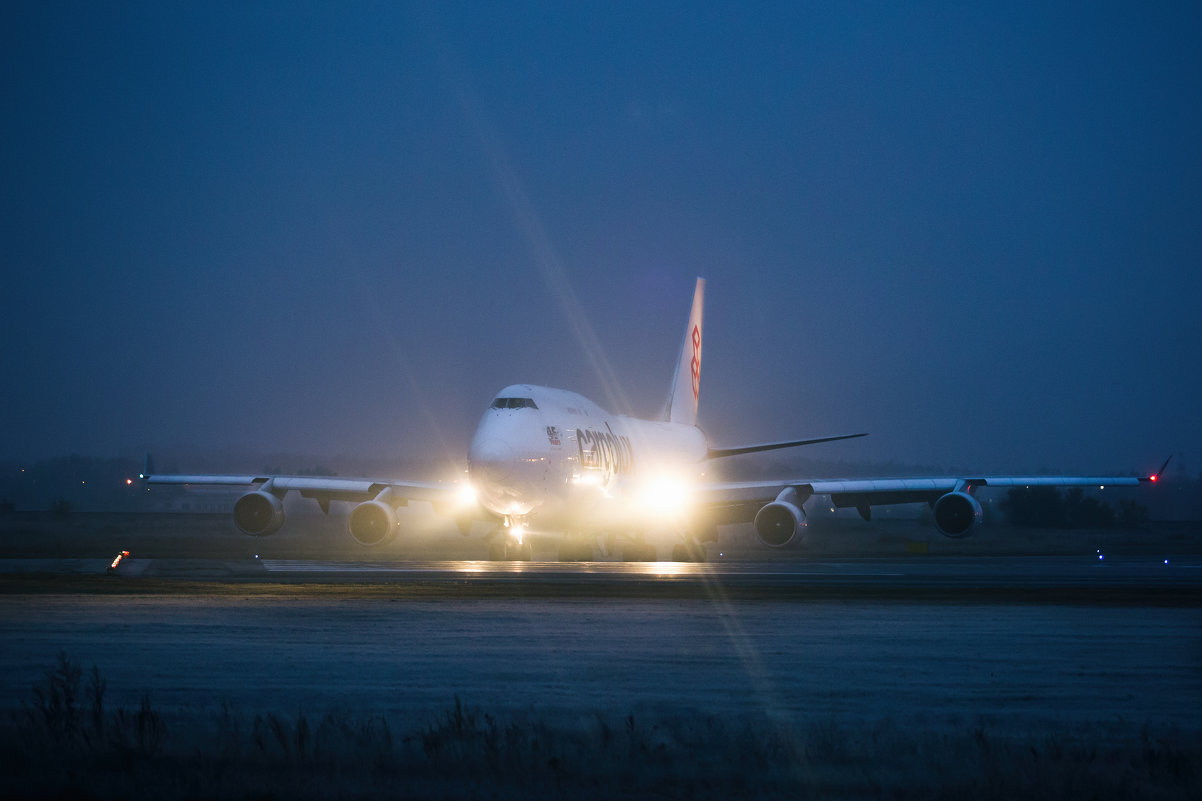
x=558, y=457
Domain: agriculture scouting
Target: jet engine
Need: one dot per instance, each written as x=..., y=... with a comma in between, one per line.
x=956, y=514
x=259, y=513
x=777, y=523
x=372, y=523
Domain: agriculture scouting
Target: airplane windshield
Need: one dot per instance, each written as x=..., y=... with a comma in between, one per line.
x=513, y=403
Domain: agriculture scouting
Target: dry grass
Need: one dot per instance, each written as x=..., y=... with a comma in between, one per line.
x=64, y=742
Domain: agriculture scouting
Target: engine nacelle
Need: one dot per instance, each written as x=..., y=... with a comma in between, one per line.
x=780, y=521
x=956, y=514
x=372, y=523
x=259, y=513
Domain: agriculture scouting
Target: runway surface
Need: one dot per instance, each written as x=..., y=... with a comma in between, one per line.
x=1089, y=578
x=740, y=639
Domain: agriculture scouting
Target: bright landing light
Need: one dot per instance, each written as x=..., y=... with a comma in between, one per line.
x=467, y=495
x=664, y=495
x=589, y=478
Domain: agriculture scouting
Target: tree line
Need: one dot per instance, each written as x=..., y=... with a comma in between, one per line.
x=1051, y=507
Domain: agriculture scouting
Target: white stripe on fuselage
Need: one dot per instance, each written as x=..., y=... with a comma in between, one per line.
x=568, y=462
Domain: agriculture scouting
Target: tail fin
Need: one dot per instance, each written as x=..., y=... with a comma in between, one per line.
x=686, y=383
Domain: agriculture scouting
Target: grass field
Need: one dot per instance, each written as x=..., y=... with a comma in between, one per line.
x=65, y=742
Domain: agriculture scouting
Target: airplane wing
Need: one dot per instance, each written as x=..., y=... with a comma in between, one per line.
x=260, y=511
x=323, y=489
x=718, y=453
x=855, y=492
x=775, y=506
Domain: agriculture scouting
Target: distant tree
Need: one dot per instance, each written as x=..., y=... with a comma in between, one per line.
x=1048, y=507
x=1034, y=507
x=1177, y=495
x=1133, y=515
x=1081, y=511
x=1194, y=498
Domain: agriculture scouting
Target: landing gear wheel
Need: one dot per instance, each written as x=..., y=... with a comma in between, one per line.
x=576, y=549
x=690, y=552
x=611, y=544
x=638, y=552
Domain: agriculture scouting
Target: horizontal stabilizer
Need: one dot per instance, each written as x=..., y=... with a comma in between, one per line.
x=716, y=453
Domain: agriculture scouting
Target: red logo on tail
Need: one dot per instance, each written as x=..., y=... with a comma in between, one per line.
x=695, y=365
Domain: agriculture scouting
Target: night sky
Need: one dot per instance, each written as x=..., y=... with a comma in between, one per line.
x=338, y=229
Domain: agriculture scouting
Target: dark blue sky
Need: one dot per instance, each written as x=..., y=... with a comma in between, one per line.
x=338, y=229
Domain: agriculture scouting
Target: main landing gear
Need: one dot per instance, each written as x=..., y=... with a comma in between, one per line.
x=510, y=543
x=577, y=548
x=637, y=549
x=688, y=551
x=694, y=537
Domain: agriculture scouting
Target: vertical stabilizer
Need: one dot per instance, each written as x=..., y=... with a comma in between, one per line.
x=686, y=383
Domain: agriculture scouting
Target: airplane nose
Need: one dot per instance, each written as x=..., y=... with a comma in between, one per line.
x=492, y=462
x=502, y=481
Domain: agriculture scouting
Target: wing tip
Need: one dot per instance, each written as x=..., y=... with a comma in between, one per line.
x=1155, y=477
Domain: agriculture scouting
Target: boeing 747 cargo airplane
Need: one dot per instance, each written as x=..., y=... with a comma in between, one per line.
x=555, y=460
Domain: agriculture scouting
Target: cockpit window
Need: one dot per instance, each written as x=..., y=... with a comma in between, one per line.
x=514, y=403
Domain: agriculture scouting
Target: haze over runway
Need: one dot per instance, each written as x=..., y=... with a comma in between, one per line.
x=334, y=230
x=566, y=641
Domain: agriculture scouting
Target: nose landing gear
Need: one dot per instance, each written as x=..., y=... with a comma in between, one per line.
x=509, y=543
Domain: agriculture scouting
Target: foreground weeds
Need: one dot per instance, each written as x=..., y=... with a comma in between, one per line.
x=64, y=742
